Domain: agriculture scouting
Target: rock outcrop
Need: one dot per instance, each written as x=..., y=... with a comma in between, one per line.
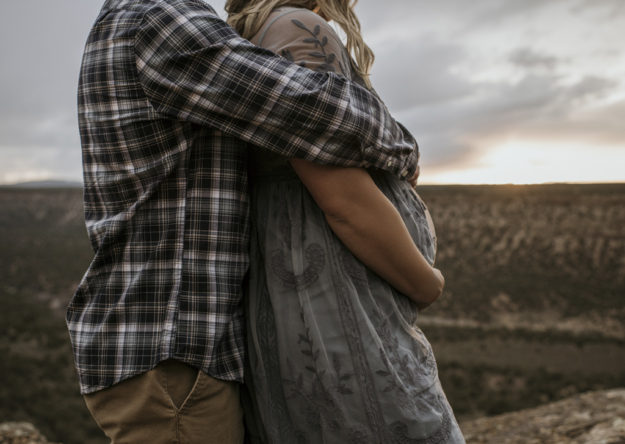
x=20, y=433
x=589, y=418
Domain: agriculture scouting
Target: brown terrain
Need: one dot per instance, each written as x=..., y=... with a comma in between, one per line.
x=590, y=418
x=593, y=417
x=535, y=303
x=532, y=313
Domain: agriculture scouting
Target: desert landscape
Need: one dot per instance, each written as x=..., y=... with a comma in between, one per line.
x=532, y=312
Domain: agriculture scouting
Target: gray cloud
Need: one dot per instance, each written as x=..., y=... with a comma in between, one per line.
x=459, y=77
x=407, y=75
x=545, y=96
x=41, y=44
x=537, y=106
x=608, y=9
x=528, y=58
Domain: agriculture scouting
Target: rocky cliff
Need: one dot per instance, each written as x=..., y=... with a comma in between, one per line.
x=589, y=418
x=20, y=433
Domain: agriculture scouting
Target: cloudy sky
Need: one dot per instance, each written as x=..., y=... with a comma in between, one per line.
x=496, y=91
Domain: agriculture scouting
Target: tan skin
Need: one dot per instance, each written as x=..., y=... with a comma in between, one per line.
x=370, y=226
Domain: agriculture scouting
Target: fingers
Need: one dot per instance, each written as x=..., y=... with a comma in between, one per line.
x=440, y=277
x=441, y=280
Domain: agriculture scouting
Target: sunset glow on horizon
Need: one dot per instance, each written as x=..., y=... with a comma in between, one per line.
x=521, y=163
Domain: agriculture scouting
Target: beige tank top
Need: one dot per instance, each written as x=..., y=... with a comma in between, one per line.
x=303, y=37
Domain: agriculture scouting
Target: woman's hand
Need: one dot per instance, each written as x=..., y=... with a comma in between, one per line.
x=431, y=291
x=413, y=180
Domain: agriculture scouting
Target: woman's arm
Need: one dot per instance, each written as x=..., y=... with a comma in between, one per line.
x=357, y=211
x=369, y=225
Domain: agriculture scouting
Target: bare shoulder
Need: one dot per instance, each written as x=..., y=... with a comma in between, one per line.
x=303, y=37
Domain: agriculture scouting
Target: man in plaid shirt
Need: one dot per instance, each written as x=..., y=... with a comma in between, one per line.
x=170, y=99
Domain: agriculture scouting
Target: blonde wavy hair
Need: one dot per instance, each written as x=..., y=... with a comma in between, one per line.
x=247, y=17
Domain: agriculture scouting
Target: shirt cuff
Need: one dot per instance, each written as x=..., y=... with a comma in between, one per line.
x=410, y=165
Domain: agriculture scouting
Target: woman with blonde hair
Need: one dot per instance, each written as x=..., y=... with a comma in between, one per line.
x=341, y=264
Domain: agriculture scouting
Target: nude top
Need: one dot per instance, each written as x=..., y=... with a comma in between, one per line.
x=303, y=37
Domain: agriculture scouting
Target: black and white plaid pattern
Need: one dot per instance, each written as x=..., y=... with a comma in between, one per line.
x=168, y=97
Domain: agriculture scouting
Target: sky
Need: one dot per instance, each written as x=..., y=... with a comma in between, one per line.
x=514, y=91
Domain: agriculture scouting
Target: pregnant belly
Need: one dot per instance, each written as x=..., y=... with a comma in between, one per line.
x=428, y=218
x=413, y=211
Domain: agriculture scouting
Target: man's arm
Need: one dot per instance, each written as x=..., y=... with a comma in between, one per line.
x=194, y=67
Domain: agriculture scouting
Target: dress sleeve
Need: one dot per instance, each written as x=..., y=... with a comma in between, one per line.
x=303, y=37
x=193, y=67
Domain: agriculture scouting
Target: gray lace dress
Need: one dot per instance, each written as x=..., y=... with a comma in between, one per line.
x=334, y=352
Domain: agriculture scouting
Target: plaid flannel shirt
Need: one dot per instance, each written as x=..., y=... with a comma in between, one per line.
x=170, y=99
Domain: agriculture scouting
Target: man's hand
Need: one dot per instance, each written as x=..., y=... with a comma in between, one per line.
x=413, y=180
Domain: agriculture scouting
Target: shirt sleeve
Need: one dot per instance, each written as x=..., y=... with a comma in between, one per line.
x=194, y=67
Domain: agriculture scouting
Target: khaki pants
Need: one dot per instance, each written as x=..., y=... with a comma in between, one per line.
x=173, y=403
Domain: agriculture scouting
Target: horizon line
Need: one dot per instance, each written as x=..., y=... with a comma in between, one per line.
x=65, y=183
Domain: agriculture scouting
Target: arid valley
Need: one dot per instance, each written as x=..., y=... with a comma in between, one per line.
x=533, y=310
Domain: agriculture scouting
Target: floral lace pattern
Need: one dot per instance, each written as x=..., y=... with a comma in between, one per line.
x=336, y=355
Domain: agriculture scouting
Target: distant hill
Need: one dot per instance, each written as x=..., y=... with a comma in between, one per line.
x=39, y=184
